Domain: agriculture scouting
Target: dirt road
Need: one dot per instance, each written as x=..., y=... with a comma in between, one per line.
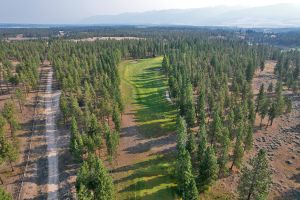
x=49, y=147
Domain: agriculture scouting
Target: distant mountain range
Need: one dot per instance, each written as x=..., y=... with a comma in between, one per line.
x=280, y=15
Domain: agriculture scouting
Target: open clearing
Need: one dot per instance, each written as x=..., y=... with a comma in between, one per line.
x=144, y=166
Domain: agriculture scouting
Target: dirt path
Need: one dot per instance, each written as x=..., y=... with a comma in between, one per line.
x=45, y=177
x=51, y=110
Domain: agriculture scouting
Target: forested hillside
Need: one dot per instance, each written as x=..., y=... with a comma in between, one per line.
x=209, y=75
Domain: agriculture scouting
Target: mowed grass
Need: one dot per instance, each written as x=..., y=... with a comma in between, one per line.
x=143, y=87
x=149, y=179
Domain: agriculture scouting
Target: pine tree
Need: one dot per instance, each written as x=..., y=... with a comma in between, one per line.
x=202, y=143
x=289, y=105
x=263, y=111
x=5, y=195
x=272, y=113
x=190, y=113
x=21, y=98
x=262, y=66
x=181, y=135
x=8, y=113
x=64, y=107
x=256, y=179
x=84, y=193
x=75, y=109
x=190, y=191
x=165, y=64
x=8, y=149
x=270, y=87
x=94, y=127
x=185, y=178
x=116, y=118
x=191, y=143
x=231, y=124
x=249, y=71
x=76, y=143
x=249, y=138
x=201, y=107
x=208, y=170
x=224, y=156
x=112, y=141
x=216, y=128
x=95, y=179
x=238, y=151
x=260, y=98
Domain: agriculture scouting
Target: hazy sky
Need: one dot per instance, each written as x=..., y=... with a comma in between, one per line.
x=72, y=11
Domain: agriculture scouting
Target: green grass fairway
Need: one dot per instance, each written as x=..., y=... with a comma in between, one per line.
x=150, y=179
x=143, y=85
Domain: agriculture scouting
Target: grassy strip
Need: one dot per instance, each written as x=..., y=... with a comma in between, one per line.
x=143, y=87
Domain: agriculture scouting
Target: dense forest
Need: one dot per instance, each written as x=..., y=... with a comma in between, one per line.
x=209, y=74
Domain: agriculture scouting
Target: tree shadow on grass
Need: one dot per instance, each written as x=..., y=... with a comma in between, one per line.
x=143, y=164
x=159, y=142
x=151, y=179
x=154, y=114
x=151, y=189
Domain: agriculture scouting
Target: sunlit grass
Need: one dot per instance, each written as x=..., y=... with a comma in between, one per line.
x=149, y=179
x=144, y=85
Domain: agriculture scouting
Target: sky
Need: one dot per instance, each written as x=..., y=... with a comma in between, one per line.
x=73, y=11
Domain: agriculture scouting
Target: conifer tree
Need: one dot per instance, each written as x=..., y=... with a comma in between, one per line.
x=289, y=105
x=224, y=156
x=208, y=170
x=190, y=113
x=165, y=64
x=249, y=71
x=76, y=143
x=94, y=127
x=186, y=181
x=189, y=191
x=256, y=179
x=270, y=87
x=202, y=143
x=116, y=118
x=95, y=179
x=263, y=111
x=8, y=113
x=64, y=107
x=272, y=113
x=238, y=151
x=249, y=138
x=260, y=98
x=191, y=143
x=21, y=98
x=181, y=131
x=216, y=128
x=112, y=141
x=8, y=150
x=201, y=107
x=5, y=195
